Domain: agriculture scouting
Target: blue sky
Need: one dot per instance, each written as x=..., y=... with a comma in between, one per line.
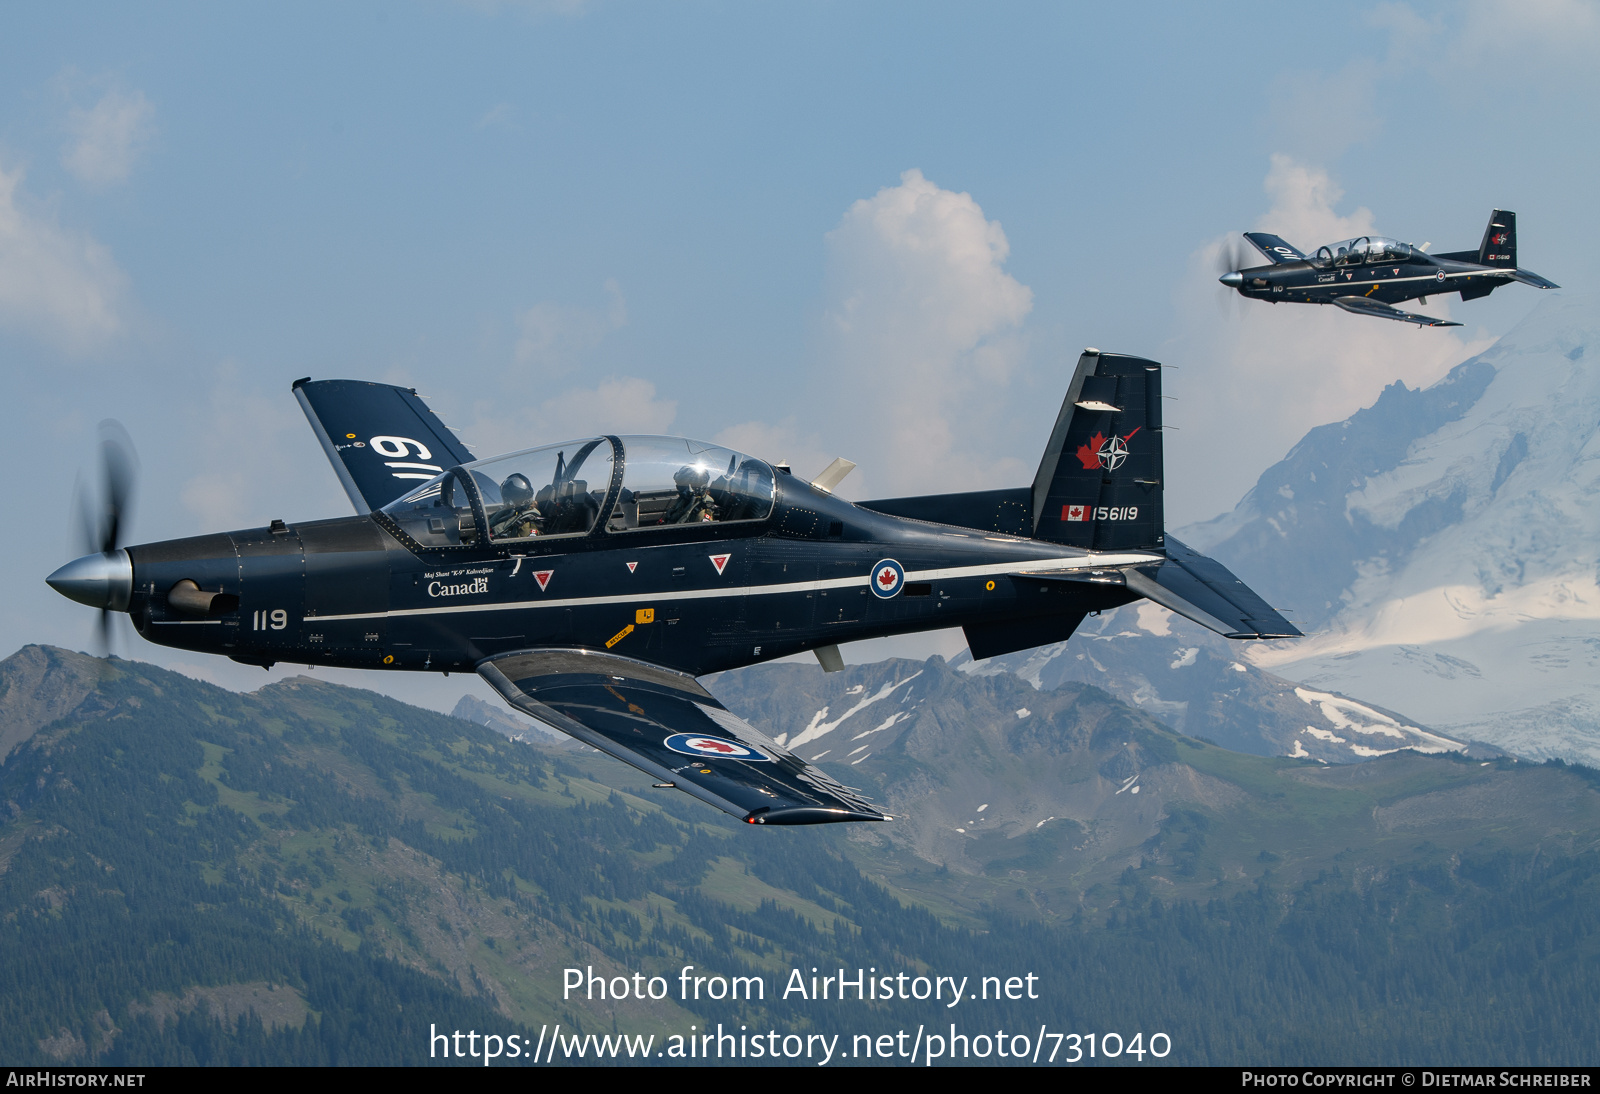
x=881, y=231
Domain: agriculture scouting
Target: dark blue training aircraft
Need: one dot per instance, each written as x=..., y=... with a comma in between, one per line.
x=590, y=582
x=1367, y=274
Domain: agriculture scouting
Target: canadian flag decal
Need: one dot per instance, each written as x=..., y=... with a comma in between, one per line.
x=1074, y=512
x=543, y=578
x=719, y=561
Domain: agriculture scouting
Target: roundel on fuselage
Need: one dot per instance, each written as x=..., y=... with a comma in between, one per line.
x=888, y=578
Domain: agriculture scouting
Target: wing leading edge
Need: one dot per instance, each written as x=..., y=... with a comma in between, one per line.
x=668, y=726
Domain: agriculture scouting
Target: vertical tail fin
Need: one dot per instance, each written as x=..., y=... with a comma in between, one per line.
x=1099, y=484
x=381, y=439
x=1499, y=247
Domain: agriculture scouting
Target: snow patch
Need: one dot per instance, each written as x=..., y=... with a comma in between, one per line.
x=1155, y=619
x=1186, y=657
x=817, y=727
x=1023, y=712
x=1351, y=717
x=897, y=716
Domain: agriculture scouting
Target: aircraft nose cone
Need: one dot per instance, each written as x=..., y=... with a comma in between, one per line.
x=100, y=581
x=1233, y=280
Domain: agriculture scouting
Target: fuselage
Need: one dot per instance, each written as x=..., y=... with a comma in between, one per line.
x=358, y=592
x=1388, y=283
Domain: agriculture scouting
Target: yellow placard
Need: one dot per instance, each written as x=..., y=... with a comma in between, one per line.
x=620, y=635
x=645, y=615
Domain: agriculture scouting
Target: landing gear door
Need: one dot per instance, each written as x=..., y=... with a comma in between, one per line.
x=271, y=588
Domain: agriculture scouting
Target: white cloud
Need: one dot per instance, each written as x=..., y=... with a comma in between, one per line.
x=552, y=338
x=498, y=114
x=256, y=455
x=920, y=341
x=1549, y=43
x=624, y=404
x=108, y=137
x=1323, y=114
x=806, y=453
x=57, y=286
x=1254, y=377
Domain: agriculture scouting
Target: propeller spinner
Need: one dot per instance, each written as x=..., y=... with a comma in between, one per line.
x=103, y=577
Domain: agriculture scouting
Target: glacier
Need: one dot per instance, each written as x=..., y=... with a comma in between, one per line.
x=1441, y=548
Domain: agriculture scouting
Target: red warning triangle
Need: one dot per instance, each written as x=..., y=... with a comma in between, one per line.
x=543, y=578
x=632, y=566
x=719, y=561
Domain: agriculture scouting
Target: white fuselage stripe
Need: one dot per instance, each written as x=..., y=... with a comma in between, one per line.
x=990, y=569
x=1352, y=282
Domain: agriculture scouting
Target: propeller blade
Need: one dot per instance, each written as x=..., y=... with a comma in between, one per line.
x=120, y=471
x=101, y=516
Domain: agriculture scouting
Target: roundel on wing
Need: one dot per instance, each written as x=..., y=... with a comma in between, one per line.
x=698, y=744
x=888, y=578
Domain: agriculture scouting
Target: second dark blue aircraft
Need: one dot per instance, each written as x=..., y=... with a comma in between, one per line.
x=1368, y=274
x=591, y=582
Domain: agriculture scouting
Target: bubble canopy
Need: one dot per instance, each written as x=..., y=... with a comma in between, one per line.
x=1362, y=249
x=629, y=484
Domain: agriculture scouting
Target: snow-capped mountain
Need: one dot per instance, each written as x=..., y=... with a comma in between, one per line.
x=1201, y=684
x=1442, y=547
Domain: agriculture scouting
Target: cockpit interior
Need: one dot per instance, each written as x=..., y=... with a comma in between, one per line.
x=567, y=489
x=1369, y=250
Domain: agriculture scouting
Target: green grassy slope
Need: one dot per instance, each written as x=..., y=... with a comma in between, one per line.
x=313, y=873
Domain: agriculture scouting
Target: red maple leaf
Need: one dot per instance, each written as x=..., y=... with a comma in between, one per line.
x=886, y=578
x=710, y=746
x=1089, y=454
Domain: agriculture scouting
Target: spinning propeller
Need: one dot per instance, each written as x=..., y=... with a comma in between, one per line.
x=1232, y=257
x=103, y=577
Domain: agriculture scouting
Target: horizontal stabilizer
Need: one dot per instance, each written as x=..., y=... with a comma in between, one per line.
x=1198, y=588
x=1276, y=250
x=1205, y=591
x=1528, y=277
x=1360, y=305
x=382, y=440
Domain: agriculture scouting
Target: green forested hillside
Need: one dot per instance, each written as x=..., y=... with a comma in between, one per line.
x=318, y=874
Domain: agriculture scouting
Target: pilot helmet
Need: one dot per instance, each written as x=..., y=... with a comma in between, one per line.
x=691, y=478
x=517, y=490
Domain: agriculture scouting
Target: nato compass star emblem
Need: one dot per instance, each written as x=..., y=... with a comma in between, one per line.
x=1103, y=451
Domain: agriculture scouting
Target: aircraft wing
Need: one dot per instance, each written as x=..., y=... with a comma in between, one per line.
x=1360, y=305
x=668, y=726
x=1198, y=588
x=382, y=440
